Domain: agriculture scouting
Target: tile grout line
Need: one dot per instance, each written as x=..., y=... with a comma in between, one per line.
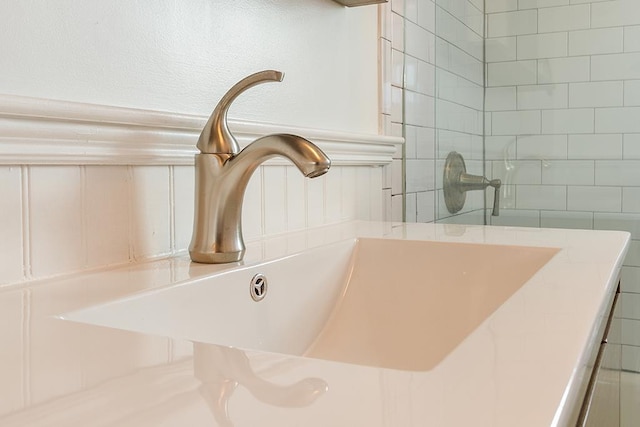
x=26, y=347
x=83, y=216
x=170, y=351
x=130, y=208
x=26, y=223
x=172, y=211
x=287, y=222
x=325, y=196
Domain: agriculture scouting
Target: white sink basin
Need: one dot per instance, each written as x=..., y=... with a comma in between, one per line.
x=396, y=304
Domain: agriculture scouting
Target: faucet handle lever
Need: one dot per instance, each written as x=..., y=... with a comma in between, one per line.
x=216, y=138
x=496, y=184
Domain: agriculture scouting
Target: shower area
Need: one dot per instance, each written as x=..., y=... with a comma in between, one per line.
x=543, y=95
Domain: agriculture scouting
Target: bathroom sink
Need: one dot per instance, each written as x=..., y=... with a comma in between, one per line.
x=398, y=304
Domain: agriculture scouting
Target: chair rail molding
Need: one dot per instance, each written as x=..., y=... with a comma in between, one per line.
x=45, y=131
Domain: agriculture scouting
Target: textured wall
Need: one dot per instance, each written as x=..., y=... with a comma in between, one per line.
x=181, y=56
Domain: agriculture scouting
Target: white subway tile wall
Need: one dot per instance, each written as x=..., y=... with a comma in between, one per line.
x=616, y=13
x=596, y=41
x=563, y=85
x=518, y=172
x=565, y=219
x=512, y=23
x=500, y=49
x=414, y=59
x=631, y=146
x=562, y=70
x=564, y=18
x=595, y=146
x=539, y=97
x=535, y=46
x=442, y=85
x=510, y=73
x=399, y=72
x=542, y=147
x=500, y=98
x=516, y=122
x=632, y=39
x=596, y=94
x=632, y=91
x=459, y=104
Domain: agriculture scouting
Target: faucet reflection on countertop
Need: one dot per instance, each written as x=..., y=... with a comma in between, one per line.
x=222, y=173
x=221, y=369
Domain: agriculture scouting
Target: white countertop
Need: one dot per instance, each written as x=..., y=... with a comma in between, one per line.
x=521, y=367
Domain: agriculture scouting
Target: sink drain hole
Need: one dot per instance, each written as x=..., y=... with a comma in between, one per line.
x=258, y=287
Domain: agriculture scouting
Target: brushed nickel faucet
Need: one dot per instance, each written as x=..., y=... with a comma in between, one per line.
x=222, y=172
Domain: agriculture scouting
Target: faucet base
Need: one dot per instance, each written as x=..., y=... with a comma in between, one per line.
x=216, y=257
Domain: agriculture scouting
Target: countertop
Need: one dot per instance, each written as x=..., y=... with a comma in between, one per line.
x=523, y=366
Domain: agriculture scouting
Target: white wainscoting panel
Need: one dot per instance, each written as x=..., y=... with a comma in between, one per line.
x=86, y=186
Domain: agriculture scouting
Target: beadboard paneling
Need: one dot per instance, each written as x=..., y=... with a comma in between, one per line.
x=86, y=186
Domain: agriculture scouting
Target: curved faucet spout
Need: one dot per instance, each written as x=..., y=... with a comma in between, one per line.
x=221, y=181
x=309, y=159
x=216, y=137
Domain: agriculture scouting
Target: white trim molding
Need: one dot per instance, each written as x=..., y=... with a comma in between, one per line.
x=43, y=131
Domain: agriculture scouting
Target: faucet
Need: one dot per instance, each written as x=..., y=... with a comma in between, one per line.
x=222, y=173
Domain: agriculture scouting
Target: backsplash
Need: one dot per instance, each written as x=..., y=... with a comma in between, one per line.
x=62, y=219
x=99, y=185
